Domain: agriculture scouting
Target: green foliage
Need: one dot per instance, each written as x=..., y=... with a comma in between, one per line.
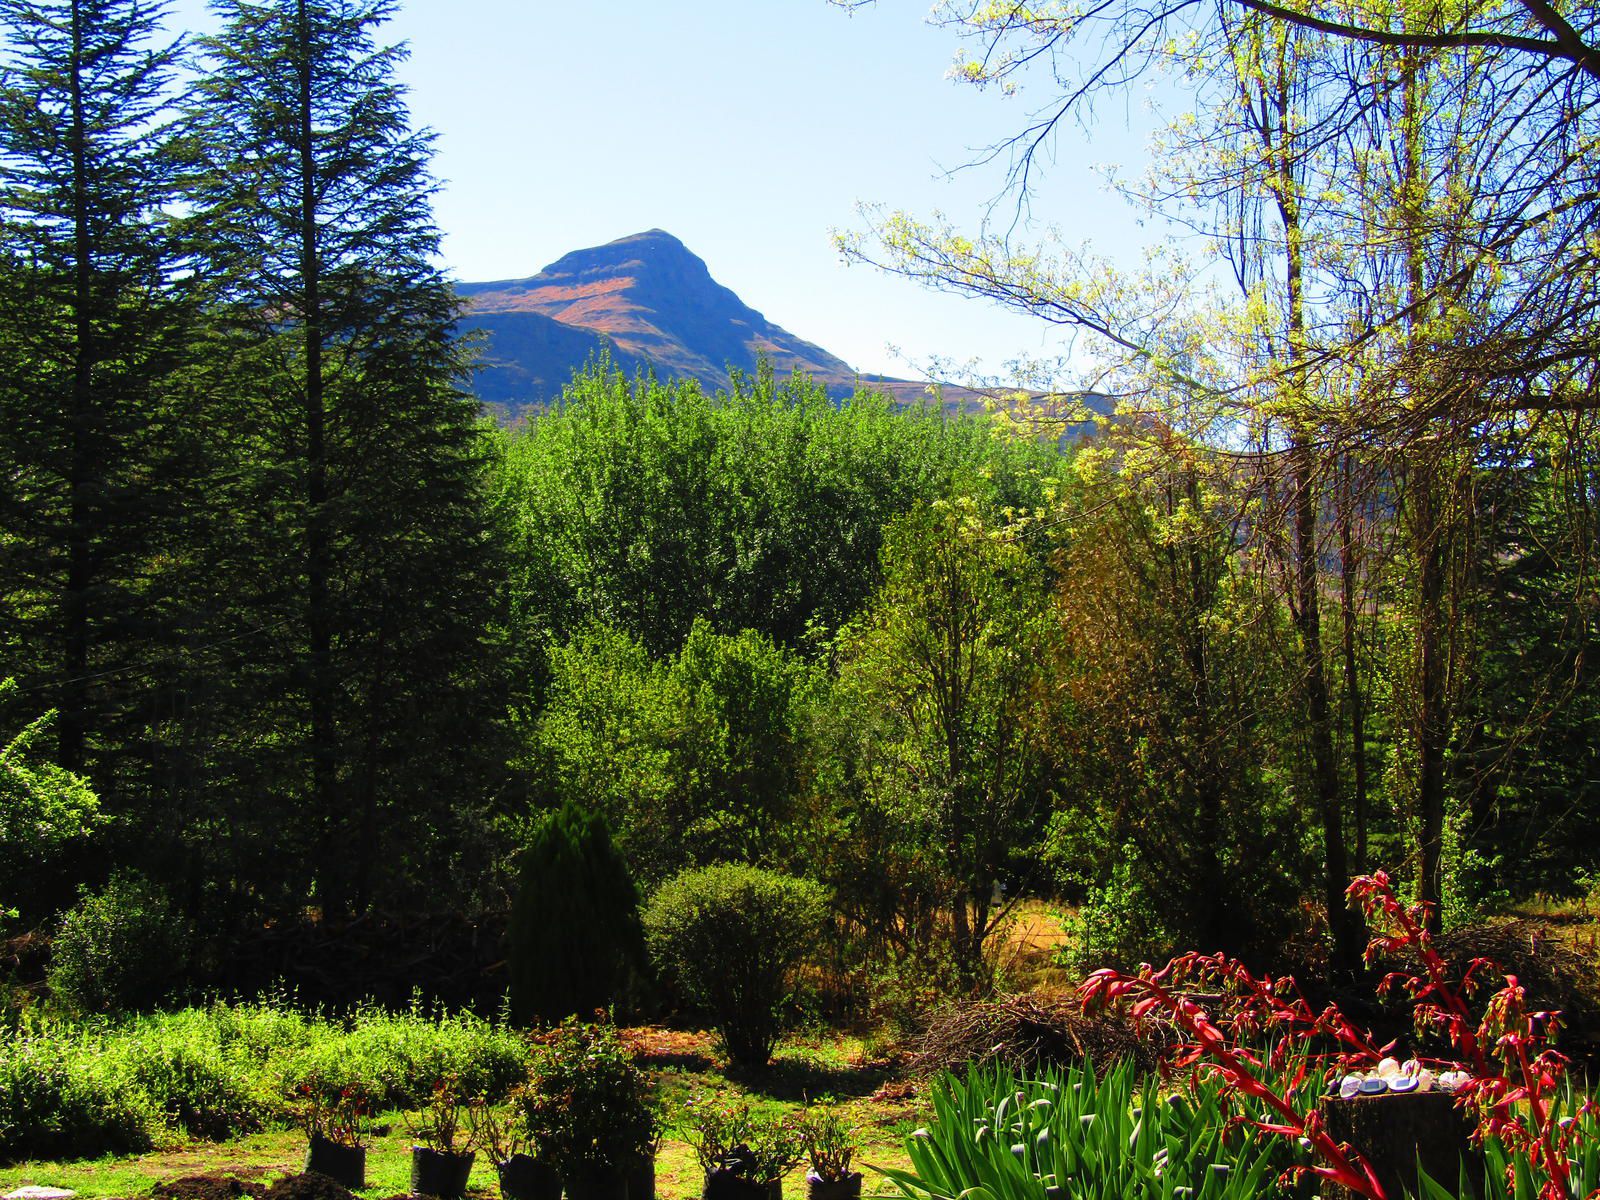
x=1181, y=817
x=575, y=942
x=1117, y=1136
x=728, y=936
x=396, y=1058
x=692, y=758
x=358, y=560
x=71, y=1089
x=1531, y=705
x=588, y=1105
x=120, y=949
x=757, y=1147
x=99, y=450
x=935, y=791
x=644, y=505
x=61, y=1098
x=194, y=1077
x=42, y=806
x=1119, y=919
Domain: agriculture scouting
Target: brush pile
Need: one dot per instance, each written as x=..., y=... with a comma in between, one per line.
x=1024, y=1031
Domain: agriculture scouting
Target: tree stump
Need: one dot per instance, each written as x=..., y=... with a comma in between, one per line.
x=1396, y=1131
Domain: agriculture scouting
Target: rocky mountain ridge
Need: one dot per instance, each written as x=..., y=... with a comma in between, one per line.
x=649, y=302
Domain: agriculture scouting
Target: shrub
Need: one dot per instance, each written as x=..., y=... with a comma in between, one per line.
x=71, y=1089
x=122, y=949
x=574, y=943
x=396, y=1058
x=60, y=1099
x=183, y=1068
x=729, y=935
x=265, y=1033
x=587, y=1103
x=729, y=1137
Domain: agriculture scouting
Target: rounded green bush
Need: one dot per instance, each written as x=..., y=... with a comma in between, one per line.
x=729, y=936
x=119, y=950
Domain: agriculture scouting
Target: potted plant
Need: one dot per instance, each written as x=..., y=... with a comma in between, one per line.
x=440, y=1163
x=588, y=1107
x=504, y=1136
x=744, y=1156
x=640, y=1175
x=830, y=1141
x=336, y=1121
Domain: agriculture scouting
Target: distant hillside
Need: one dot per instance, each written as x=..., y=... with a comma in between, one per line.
x=652, y=303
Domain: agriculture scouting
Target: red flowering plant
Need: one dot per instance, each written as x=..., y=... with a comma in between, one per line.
x=1516, y=1079
x=1264, y=1038
x=331, y=1113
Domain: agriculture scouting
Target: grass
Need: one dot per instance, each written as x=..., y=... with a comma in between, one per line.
x=261, y=1156
x=267, y=1156
x=1031, y=946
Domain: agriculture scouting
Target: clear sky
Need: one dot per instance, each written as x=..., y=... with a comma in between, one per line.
x=749, y=129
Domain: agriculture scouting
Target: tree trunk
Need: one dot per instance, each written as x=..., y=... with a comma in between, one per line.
x=1306, y=505
x=332, y=887
x=1427, y=530
x=1349, y=618
x=74, y=721
x=1210, y=882
x=1395, y=1133
x=1325, y=768
x=1432, y=722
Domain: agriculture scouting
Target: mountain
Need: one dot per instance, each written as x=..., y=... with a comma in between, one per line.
x=651, y=303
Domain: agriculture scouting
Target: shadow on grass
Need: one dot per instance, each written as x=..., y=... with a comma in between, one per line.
x=798, y=1078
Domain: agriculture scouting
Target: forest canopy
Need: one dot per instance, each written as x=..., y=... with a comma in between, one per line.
x=301, y=642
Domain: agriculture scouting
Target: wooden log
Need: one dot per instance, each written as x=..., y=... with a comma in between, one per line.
x=1396, y=1131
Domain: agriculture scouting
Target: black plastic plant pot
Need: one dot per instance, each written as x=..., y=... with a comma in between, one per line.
x=723, y=1184
x=345, y=1165
x=641, y=1179
x=438, y=1173
x=847, y=1187
x=524, y=1177
x=596, y=1184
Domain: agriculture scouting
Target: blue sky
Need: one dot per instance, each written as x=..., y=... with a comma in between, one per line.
x=748, y=128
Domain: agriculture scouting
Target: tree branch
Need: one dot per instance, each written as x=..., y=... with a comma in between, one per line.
x=1565, y=44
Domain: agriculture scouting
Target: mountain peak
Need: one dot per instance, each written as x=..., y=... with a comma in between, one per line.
x=654, y=301
x=661, y=267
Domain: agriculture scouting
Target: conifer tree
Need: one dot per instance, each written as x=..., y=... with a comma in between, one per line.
x=575, y=942
x=93, y=448
x=367, y=548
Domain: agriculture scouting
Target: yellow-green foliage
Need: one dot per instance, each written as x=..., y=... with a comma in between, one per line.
x=74, y=1089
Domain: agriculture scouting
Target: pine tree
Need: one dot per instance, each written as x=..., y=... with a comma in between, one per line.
x=366, y=544
x=95, y=458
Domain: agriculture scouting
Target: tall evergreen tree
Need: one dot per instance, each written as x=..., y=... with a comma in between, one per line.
x=93, y=445
x=361, y=484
